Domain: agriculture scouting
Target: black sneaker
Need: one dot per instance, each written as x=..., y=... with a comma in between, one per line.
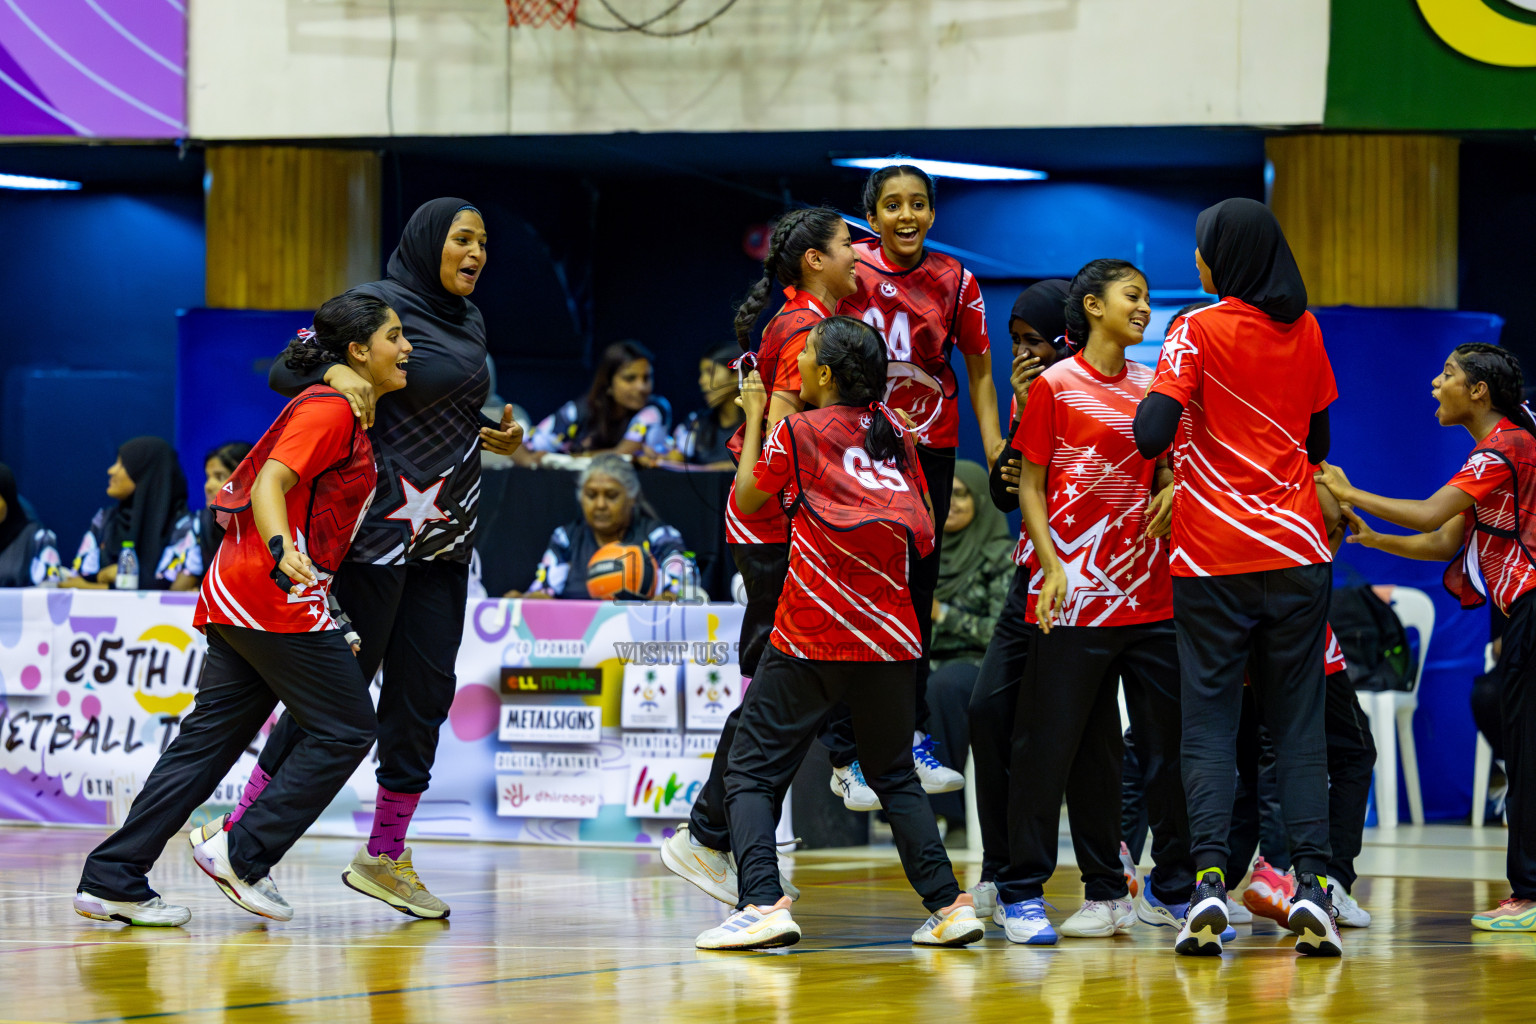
x=1206, y=919
x=1313, y=918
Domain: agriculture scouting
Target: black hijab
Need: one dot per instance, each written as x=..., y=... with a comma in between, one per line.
x=1242, y=243
x=1043, y=306
x=15, y=522
x=417, y=261
x=147, y=516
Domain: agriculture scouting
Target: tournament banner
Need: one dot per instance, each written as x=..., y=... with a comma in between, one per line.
x=1432, y=65
x=96, y=683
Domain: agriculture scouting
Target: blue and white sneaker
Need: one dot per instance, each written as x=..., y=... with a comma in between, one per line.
x=848, y=783
x=1205, y=927
x=1025, y=923
x=1153, y=911
x=933, y=775
x=753, y=927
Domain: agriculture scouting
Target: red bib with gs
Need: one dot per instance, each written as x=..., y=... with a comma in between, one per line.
x=337, y=504
x=1504, y=550
x=842, y=485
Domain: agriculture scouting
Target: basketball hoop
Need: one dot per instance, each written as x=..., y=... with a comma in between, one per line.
x=541, y=13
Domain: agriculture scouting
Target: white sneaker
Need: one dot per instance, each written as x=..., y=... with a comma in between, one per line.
x=1237, y=913
x=261, y=897
x=934, y=776
x=1097, y=919
x=1025, y=923
x=713, y=871
x=956, y=925
x=151, y=913
x=849, y=784
x=984, y=895
x=753, y=928
x=1349, y=913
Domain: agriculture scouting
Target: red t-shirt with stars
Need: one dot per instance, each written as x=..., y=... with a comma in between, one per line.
x=238, y=589
x=1077, y=423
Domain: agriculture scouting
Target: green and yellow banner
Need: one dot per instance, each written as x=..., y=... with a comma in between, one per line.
x=1448, y=65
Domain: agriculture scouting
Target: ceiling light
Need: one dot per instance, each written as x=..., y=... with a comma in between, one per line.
x=23, y=181
x=944, y=168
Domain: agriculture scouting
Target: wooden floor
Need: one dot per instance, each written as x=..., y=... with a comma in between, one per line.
x=544, y=934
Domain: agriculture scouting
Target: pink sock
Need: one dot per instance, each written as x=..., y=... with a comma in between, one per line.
x=391, y=817
x=253, y=787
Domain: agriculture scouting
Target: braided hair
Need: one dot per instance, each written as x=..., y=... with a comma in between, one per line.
x=854, y=353
x=1500, y=370
x=347, y=318
x=1093, y=279
x=793, y=235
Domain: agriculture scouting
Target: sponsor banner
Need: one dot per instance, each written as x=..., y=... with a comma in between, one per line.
x=653, y=744
x=665, y=787
x=710, y=693
x=650, y=697
x=585, y=682
x=700, y=744
x=26, y=643
x=548, y=761
x=548, y=796
x=550, y=723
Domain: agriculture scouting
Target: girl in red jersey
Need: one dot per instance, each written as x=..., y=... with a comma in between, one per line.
x=1250, y=559
x=1484, y=522
x=845, y=628
x=810, y=256
x=290, y=511
x=924, y=304
x=1101, y=596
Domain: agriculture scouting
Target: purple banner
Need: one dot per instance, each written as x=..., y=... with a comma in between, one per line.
x=93, y=68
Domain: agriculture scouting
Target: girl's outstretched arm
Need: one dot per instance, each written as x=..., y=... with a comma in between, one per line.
x=1424, y=516
x=1437, y=546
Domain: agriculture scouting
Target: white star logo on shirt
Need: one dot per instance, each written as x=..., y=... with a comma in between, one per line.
x=1085, y=580
x=1176, y=347
x=420, y=507
x=1069, y=519
x=1071, y=490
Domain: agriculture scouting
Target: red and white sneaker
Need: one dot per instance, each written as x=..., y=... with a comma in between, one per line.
x=1269, y=893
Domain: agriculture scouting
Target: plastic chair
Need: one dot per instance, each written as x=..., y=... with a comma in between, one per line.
x=1391, y=713
x=1482, y=761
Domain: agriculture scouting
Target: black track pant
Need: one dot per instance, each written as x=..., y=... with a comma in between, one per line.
x=1351, y=758
x=1519, y=712
x=410, y=619
x=1271, y=625
x=786, y=703
x=939, y=470
x=1133, y=799
x=246, y=673
x=1066, y=742
x=992, y=705
x=763, y=569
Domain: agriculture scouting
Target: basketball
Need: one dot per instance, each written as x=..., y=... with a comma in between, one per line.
x=616, y=569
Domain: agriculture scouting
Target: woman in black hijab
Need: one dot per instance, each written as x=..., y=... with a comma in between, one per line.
x=1250, y=379
x=29, y=555
x=405, y=581
x=151, y=493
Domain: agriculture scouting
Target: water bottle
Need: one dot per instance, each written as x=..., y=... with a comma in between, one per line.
x=127, y=568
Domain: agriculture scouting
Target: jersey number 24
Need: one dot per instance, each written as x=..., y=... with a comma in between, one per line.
x=898, y=335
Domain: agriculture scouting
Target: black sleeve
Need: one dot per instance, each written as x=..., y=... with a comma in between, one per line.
x=288, y=383
x=1004, y=501
x=1157, y=420
x=1319, y=439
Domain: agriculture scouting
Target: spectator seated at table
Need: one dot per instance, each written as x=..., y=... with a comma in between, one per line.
x=192, y=547
x=975, y=569
x=29, y=553
x=618, y=414
x=613, y=511
x=700, y=439
x=150, y=492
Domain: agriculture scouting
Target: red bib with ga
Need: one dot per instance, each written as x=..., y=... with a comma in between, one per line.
x=842, y=485
x=341, y=495
x=1499, y=551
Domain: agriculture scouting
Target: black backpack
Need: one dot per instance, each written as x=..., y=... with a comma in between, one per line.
x=1373, y=638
